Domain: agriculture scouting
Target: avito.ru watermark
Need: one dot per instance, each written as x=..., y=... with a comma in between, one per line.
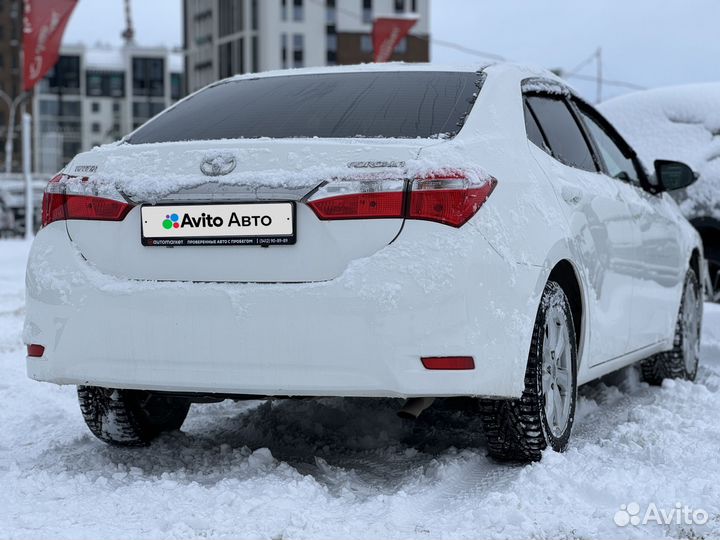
x=680, y=514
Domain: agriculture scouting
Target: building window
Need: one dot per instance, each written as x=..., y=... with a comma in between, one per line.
x=148, y=77
x=283, y=9
x=239, y=63
x=96, y=127
x=255, y=55
x=367, y=11
x=366, y=44
x=117, y=85
x=231, y=58
x=231, y=15
x=95, y=106
x=298, y=50
x=414, y=6
x=330, y=12
x=254, y=15
x=116, y=107
x=332, y=43
x=399, y=6
x=176, y=82
x=64, y=78
x=105, y=84
x=298, y=10
x=284, y=50
x=225, y=60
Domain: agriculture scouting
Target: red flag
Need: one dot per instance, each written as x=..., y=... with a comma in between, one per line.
x=44, y=23
x=388, y=32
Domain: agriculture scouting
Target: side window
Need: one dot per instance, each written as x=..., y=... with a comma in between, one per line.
x=564, y=136
x=617, y=164
x=533, y=130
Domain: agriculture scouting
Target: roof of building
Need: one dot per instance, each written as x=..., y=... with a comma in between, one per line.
x=105, y=58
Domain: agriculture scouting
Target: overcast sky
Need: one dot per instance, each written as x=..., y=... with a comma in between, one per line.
x=646, y=42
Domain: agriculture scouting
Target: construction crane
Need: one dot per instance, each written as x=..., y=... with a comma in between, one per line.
x=129, y=33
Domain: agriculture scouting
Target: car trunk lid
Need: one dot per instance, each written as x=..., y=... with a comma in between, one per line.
x=176, y=175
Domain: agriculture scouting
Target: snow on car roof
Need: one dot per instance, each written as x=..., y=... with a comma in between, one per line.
x=360, y=68
x=525, y=70
x=680, y=123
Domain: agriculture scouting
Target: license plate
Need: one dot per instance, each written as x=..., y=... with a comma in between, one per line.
x=242, y=224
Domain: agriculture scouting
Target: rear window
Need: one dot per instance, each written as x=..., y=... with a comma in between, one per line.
x=333, y=105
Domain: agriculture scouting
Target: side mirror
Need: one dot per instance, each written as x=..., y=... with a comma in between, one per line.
x=672, y=175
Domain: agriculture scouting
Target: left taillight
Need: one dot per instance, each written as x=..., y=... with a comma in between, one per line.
x=447, y=198
x=75, y=198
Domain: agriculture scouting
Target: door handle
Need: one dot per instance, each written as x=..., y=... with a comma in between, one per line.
x=571, y=195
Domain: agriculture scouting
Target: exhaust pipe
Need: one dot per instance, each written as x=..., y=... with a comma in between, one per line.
x=414, y=406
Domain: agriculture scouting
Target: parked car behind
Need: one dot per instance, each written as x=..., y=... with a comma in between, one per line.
x=683, y=123
x=389, y=230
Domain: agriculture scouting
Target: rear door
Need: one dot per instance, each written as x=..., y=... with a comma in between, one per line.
x=603, y=230
x=659, y=266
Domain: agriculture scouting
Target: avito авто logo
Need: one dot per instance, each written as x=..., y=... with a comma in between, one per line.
x=173, y=221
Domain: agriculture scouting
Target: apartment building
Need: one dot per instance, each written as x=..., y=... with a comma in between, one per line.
x=228, y=37
x=96, y=95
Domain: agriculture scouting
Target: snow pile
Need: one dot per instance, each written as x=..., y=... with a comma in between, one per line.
x=350, y=468
x=680, y=123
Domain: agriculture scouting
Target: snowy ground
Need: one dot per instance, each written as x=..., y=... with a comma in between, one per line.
x=341, y=469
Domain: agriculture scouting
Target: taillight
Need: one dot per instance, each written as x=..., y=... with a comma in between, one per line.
x=364, y=198
x=75, y=198
x=360, y=206
x=35, y=351
x=451, y=199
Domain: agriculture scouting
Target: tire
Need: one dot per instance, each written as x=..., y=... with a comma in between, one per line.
x=682, y=361
x=130, y=417
x=519, y=430
x=712, y=255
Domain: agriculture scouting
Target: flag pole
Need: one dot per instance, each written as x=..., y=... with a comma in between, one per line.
x=29, y=196
x=26, y=149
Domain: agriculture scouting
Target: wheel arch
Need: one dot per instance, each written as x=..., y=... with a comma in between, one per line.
x=564, y=274
x=561, y=267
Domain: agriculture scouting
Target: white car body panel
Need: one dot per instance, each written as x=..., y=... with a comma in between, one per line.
x=352, y=308
x=361, y=334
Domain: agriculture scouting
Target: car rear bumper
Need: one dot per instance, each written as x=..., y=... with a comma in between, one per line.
x=362, y=334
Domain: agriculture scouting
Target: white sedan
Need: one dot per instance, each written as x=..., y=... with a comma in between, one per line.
x=382, y=231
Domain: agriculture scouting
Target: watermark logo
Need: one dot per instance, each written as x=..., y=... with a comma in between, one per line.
x=172, y=221
x=631, y=514
x=628, y=515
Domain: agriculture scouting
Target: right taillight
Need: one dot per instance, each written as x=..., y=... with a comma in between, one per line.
x=76, y=198
x=447, y=198
x=450, y=199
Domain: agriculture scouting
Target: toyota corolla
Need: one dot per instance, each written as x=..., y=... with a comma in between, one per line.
x=401, y=231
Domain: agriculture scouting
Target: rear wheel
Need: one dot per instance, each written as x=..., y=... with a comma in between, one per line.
x=682, y=361
x=130, y=417
x=519, y=430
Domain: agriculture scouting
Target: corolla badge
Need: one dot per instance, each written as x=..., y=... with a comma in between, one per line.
x=218, y=165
